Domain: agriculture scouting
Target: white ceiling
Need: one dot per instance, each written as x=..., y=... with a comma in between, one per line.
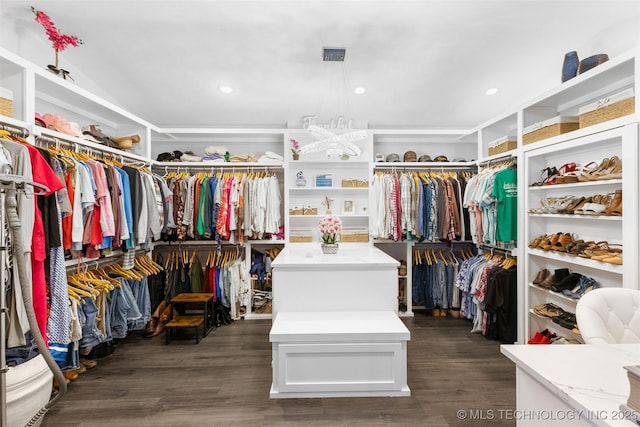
x=424, y=63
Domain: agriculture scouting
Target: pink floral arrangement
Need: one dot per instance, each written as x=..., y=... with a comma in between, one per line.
x=295, y=146
x=60, y=41
x=329, y=227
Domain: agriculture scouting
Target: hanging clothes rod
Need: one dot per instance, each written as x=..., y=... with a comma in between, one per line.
x=91, y=263
x=93, y=149
x=428, y=167
x=217, y=165
x=493, y=249
x=15, y=130
x=498, y=160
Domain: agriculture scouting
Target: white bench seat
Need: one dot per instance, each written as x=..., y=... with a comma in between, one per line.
x=339, y=354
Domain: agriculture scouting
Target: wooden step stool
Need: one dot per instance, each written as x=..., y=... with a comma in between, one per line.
x=202, y=320
x=184, y=322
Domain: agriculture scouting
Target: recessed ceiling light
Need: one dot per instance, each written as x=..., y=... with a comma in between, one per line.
x=492, y=91
x=359, y=90
x=225, y=89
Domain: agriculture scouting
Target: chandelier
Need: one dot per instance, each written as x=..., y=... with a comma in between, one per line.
x=336, y=138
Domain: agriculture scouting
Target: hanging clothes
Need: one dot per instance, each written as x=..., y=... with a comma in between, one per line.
x=491, y=199
x=223, y=206
x=419, y=206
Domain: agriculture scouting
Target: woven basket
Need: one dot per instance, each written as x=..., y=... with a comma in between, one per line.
x=505, y=146
x=612, y=111
x=295, y=211
x=548, y=132
x=300, y=238
x=6, y=102
x=309, y=211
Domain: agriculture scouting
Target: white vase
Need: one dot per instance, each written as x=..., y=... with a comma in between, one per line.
x=329, y=248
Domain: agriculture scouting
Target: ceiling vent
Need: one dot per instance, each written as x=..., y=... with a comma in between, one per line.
x=332, y=54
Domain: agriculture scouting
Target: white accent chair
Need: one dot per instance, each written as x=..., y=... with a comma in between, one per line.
x=609, y=316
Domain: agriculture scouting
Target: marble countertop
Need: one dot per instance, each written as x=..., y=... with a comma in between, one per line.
x=588, y=378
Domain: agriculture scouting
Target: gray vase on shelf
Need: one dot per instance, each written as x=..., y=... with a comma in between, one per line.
x=300, y=180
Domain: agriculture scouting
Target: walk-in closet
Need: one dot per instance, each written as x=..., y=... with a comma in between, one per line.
x=389, y=213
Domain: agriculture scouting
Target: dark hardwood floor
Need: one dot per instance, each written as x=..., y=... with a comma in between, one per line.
x=225, y=381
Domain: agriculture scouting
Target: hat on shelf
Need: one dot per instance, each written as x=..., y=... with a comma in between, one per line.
x=379, y=158
x=40, y=121
x=410, y=156
x=425, y=158
x=441, y=159
x=172, y=156
x=393, y=157
x=458, y=159
x=96, y=133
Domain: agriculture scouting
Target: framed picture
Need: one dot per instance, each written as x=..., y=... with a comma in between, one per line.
x=348, y=207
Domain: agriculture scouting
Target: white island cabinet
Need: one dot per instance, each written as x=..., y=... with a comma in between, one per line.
x=336, y=330
x=359, y=277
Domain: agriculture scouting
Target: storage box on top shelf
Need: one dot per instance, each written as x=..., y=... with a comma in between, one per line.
x=609, y=108
x=6, y=102
x=502, y=145
x=549, y=128
x=354, y=183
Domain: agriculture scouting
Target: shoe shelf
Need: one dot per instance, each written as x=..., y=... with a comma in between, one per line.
x=576, y=260
x=549, y=292
x=539, y=323
x=578, y=217
x=574, y=187
x=593, y=144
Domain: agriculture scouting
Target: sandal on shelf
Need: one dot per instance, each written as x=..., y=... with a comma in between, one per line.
x=593, y=209
x=594, y=173
x=594, y=249
x=575, y=202
x=615, y=259
x=574, y=175
x=563, y=241
x=592, y=200
x=551, y=242
x=578, y=209
x=575, y=247
x=615, y=206
x=614, y=171
x=538, y=240
x=547, y=175
x=563, y=171
x=548, y=310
